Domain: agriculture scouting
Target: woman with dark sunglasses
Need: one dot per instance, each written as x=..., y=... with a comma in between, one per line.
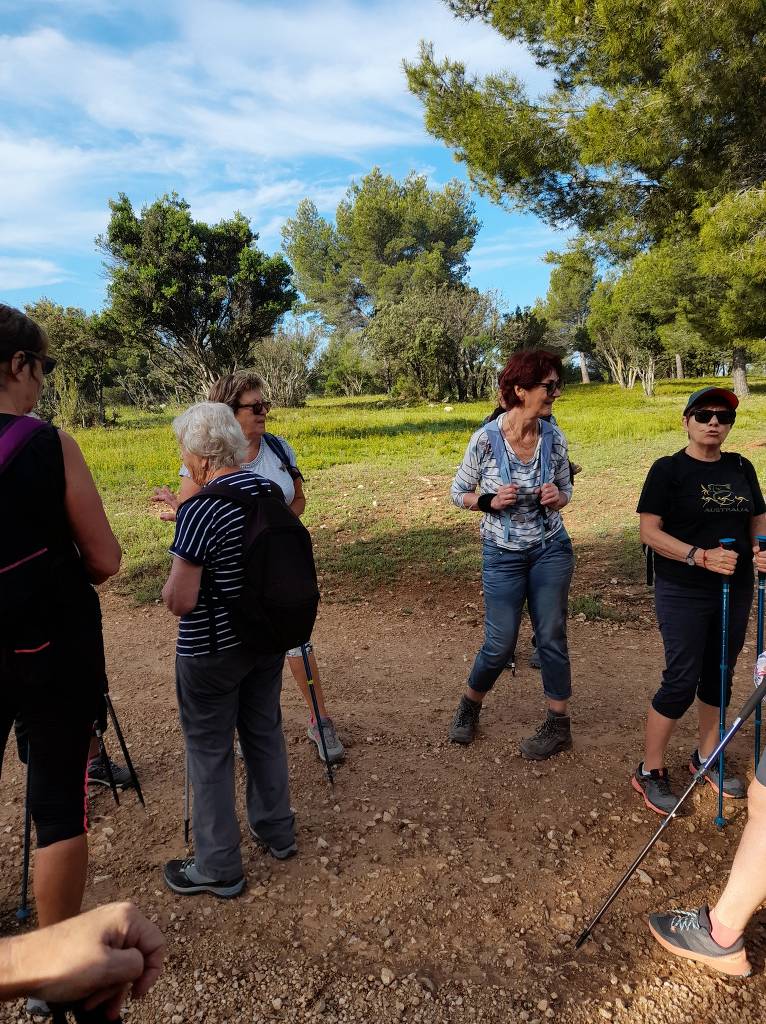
x=690, y=501
x=519, y=463
x=273, y=458
x=55, y=544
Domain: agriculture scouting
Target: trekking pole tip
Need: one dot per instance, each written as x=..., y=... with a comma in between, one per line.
x=23, y=914
x=583, y=939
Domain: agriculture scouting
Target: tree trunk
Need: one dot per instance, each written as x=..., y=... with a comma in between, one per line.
x=583, y=368
x=679, y=367
x=739, y=373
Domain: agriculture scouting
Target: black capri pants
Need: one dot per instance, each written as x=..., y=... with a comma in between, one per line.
x=690, y=623
x=55, y=698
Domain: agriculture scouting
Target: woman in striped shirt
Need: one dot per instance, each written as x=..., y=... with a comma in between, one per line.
x=520, y=465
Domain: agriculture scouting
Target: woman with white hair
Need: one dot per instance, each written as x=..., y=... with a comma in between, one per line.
x=221, y=684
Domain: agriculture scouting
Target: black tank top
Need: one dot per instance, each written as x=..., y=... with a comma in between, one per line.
x=44, y=589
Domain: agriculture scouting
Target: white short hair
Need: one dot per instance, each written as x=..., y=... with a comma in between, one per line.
x=210, y=430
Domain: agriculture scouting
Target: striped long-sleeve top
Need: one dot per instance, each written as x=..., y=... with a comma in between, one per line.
x=528, y=519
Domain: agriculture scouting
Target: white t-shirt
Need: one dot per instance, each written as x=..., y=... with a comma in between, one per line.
x=268, y=464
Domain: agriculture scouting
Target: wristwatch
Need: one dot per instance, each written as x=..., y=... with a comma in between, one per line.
x=690, y=556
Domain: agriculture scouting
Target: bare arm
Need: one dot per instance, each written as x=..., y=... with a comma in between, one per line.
x=90, y=528
x=714, y=559
x=298, y=504
x=164, y=494
x=181, y=592
x=96, y=956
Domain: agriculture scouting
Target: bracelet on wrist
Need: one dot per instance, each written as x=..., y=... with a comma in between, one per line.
x=484, y=503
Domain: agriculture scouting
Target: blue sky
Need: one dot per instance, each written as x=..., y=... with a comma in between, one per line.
x=233, y=104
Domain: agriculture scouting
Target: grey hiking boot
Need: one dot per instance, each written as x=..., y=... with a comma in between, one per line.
x=463, y=726
x=98, y=773
x=688, y=933
x=655, y=789
x=277, y=852
x=551, y=738
x=733, y=787
x=335, y=749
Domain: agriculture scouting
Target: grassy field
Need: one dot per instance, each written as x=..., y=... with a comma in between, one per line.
x=377, y=480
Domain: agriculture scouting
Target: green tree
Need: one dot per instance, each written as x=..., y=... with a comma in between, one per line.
x=567, y=303
x=652, y=105
x=388, y=236
x=286, y=362
x=522, y=329
x=197, y=295
x=440, y=341
x=347, y=366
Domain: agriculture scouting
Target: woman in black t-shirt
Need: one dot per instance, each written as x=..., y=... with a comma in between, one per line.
x=689, y=501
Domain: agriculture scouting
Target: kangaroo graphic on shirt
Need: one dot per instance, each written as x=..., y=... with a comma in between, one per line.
x=720, y=496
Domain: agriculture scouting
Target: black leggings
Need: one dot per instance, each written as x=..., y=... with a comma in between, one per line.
x=690, y=623
x=55, y=698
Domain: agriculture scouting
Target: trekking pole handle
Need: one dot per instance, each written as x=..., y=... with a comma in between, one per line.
x=727, y=543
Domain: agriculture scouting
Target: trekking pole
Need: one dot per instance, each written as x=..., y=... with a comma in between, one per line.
x=727, y=544
x=759, y=651
x=745, y=711
x=187, y=815
x=317, y=716
x=124, y=747
x=22, y=914
x=107, y=763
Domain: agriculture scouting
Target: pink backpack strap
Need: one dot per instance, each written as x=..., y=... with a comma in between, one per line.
x=15, y=435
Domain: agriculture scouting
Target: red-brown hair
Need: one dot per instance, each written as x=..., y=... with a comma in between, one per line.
x=524, y=370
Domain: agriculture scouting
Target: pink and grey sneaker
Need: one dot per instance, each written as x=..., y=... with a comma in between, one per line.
x=688, y=934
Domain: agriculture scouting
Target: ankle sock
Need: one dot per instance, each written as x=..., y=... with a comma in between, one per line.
x=721, y=934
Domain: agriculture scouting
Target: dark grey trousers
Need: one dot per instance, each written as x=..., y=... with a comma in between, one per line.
x=216, y=694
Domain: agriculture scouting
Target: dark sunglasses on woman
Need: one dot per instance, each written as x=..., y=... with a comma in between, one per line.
x=724, y=416
x=256, y=407
x=48, y=364
x=551, y=386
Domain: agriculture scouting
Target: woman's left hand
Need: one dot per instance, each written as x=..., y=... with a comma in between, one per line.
x=760, y=559
x=549, y=495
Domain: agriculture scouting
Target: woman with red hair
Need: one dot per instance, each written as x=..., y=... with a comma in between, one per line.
x=519, y=463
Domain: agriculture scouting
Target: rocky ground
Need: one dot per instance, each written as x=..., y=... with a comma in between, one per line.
x=434, y=883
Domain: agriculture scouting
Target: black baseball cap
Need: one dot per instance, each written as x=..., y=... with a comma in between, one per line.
x=711, y=395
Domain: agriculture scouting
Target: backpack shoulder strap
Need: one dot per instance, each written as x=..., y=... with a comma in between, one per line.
x=281, y=453
x=547, y=435
x=15, y=436
x=500, y=455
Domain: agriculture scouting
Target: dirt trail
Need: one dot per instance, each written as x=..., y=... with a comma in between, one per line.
x=435, y=883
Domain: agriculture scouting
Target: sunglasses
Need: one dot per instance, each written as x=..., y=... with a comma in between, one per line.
x=256, y=407
x=724, y=416
x=48, y=364
x=551, y=386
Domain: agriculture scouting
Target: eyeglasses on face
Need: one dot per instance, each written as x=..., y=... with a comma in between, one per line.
x=724, y=416
x=551, y=386
x=256, y=407
x=48, y=364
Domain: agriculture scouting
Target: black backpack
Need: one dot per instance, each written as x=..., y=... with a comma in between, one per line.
x=277, y=606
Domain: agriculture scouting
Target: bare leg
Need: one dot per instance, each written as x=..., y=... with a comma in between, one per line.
x=746, y=887
x=298, y=670
x=477, y=696
x=709, y=725
x=60, y=872
x=559, y=706
x=659, y=729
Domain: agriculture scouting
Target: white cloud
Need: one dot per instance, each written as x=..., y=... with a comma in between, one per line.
x=517, y=246
x=26, y=273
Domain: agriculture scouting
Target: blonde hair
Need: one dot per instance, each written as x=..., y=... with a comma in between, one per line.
x=210, y=431
x=229, y=389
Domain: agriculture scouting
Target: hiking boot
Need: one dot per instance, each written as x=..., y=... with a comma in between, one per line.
x=687, y=933
x=183, y=877
x=655, y=789
x=277, y=852
x=465, y=722
x=98, y=774
x=551, y=738
x=335, y=749
x=733, y=787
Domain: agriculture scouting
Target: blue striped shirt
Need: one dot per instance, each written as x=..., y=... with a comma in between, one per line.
x=210, y=533
x=528, y=519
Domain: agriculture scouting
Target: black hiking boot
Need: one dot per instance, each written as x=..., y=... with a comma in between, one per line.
x=463, y=727
x=655, y=789
x=551, y=738
x=183, y=878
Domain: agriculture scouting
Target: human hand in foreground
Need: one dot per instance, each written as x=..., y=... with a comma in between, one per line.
x=720, y=560
x=549, y=496
x=170, y=498
x=506, y=495
x=97, y=957
x=760, y=558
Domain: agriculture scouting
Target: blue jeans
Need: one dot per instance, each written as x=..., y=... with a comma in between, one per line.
x=541, y=576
